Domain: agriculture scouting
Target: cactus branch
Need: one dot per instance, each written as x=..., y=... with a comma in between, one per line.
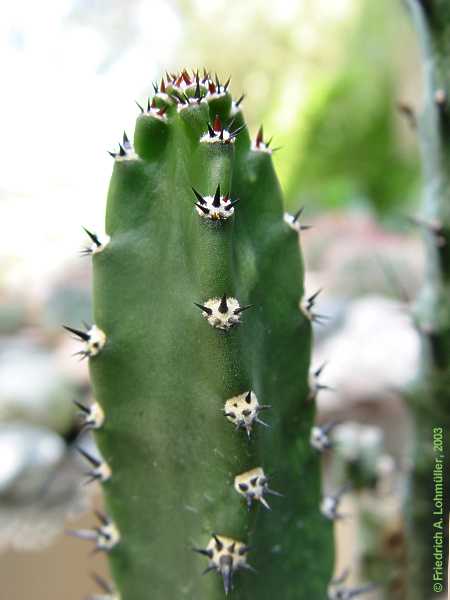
x=195, y=221
x=431, y=403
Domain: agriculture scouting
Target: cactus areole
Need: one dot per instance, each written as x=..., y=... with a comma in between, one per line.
x=197, y=294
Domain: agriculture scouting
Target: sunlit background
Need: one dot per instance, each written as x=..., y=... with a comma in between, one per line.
x=337, y=84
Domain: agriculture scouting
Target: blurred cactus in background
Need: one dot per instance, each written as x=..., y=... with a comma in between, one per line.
x=430, y=401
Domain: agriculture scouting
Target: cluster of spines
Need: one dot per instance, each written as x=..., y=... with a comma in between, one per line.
x=93, y=339
x=222, y=313
x=243, y=411
x=225, y=556
x=126, y=150
x=100, y=470
x=254, y=485
x=152, y=109
x=105, y=535
x=259, y=145
x=217, y=207
x=218, y=133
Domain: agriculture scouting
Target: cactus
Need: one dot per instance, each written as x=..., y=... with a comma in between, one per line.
x=428, y=542
x=198, y=330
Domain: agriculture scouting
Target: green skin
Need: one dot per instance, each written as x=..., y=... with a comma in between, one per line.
x=431, y=403
x=165, y=373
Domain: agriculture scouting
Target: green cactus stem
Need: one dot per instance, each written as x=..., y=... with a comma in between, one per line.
x=197, y=293
x=431, y=404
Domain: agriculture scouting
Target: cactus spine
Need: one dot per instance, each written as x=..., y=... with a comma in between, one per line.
x=196, y=304
x=431, y=404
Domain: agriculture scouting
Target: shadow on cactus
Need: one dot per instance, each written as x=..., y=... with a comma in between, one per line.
x=198, y=331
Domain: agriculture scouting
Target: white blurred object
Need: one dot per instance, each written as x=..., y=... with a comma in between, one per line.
x=376, y=350
x=32, y=387
x=39, y=486
x=28, y=456
x=353, y=440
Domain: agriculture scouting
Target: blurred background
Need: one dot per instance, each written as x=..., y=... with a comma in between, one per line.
x=337, y=84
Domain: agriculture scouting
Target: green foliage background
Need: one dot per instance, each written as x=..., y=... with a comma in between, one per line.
x=327, y=86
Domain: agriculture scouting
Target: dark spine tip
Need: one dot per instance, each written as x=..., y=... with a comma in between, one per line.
x=318, y=371
x=259, y=137
x=204, y=552
x=223, y=306
x=205, y=309
x=197, y=90
x=186, y=78
x=139, y=106
x=83, y=335
x=202, y=208
x=242, y=308
x=216, y=201
x=88, y=456
x=82, y=407
x=298, y=214
x=312, y=298
x=248, y=398
x=211, y=131
x=232, y=204
x=93, y=237
x=239, y=100
x=219, y=544
x=198, y=196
